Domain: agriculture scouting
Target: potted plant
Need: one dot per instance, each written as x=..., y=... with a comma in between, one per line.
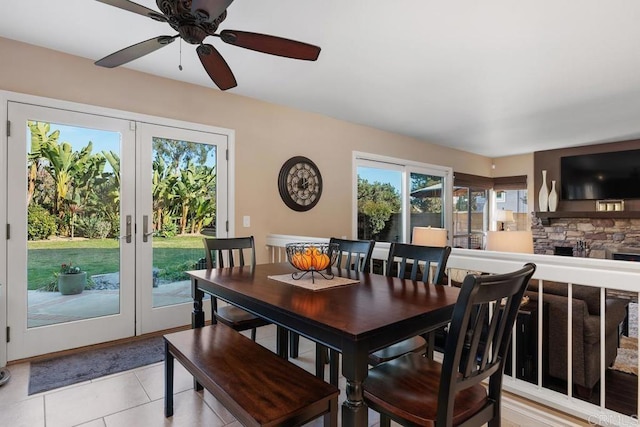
x=71, y=279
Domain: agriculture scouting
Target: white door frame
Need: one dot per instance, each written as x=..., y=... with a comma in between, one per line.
x=3, y=229
x=149, y=318
x=26, y=341
x=7, y=96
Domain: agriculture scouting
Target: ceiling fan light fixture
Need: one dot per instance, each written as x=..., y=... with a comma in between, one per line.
x=194, y=20
x=192, y=34
x=201, y=15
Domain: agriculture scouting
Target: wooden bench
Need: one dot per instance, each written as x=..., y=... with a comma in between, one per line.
x=254, y=384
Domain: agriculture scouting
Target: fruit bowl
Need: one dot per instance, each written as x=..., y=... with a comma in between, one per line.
x=312, y=258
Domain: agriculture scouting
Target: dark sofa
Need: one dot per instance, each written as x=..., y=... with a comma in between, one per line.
x=586, y=332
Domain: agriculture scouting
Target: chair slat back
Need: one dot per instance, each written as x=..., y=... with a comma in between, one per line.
x=231, y=249
x=480, y=334
x=353, y=254
x=412, y=256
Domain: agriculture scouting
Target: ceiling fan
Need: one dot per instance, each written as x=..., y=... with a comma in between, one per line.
x=194, y=20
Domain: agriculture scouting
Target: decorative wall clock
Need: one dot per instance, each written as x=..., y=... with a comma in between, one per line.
x=300, y=183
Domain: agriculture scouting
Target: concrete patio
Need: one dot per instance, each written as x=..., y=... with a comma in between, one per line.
x=46, y=308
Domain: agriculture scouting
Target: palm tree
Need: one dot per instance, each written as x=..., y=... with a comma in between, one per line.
x=64, y=165
x=163, y=182
x=40, y=137
x=203, y=206
x=187, y=188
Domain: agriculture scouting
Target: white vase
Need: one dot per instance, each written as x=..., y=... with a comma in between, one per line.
x=543, y=195
x=553, y=197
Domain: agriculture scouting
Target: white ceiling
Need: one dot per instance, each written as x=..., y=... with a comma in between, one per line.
x=495, y=77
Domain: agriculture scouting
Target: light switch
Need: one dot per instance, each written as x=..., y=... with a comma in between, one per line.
x=246, y=221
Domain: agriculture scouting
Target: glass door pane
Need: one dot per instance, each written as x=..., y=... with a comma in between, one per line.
x=380, y=202
x=181, y=174
x=72, y=223
x=393, y=198
x=67, y=213
x=184, y=204
x=469, y=217
x=426, y=200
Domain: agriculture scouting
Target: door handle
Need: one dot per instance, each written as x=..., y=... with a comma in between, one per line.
x=145, y=228
x=127, y=229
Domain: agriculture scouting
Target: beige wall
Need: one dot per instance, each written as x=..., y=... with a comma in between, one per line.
x=266, y=135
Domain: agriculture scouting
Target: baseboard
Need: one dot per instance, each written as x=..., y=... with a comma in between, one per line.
x=530, y=414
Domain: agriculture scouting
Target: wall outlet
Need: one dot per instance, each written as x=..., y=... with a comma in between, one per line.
x=246, y=221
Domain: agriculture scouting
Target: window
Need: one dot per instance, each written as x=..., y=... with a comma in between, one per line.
x=516, y=202
x=395, y=195
x=476, y=199
x=469, y=217
x=511, y=195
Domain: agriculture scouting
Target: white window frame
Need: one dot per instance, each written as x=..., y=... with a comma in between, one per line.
x=406, y=167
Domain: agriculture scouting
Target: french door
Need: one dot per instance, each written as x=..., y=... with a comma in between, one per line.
x=115, y=206
x=182, y=181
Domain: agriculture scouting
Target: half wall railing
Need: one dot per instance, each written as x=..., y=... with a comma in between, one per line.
x=613, y=279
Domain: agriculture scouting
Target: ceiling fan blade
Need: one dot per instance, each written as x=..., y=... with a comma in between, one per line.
x=135, y=51
x=214, y=8
x=271, y=44
x=135, y=8
x=216, y=67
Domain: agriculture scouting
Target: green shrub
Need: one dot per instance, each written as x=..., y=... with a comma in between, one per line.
x=93, y=227
x=169, y=229
x=41, y=224
x=176, y=272
x=114, y=220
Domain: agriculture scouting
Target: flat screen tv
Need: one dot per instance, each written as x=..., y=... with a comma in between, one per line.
x=613, y=175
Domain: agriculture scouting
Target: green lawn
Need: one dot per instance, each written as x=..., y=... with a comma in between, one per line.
x=98, y=256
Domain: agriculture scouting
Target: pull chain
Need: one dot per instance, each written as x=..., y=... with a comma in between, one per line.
x=180, y=66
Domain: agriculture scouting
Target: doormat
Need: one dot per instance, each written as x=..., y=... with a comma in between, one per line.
x=627, y=358
x=90, y=364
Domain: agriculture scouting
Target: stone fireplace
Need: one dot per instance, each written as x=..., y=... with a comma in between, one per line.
x=606, y=238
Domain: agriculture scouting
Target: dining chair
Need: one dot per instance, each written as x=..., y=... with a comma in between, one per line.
x=352, y=255
x=415, y=390
x=233, y=250
x=417, y=263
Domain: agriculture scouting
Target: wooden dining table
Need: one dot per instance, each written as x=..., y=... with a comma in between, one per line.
x=354, y=319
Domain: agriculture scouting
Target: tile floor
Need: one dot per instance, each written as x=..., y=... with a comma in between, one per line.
x=129, y=399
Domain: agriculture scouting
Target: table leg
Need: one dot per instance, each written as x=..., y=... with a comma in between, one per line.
x=282, y=342
x=431, y=344
x=334, y=358
x=354, y=369
x=168, y=381
x=197, y=316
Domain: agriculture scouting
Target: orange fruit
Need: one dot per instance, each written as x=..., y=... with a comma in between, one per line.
x=321, y=262
x=311, y=258
x=297, y=260
x=294, y=260
x=301, y=261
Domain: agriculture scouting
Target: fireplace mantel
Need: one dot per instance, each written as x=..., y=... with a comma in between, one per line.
x=546, y=217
